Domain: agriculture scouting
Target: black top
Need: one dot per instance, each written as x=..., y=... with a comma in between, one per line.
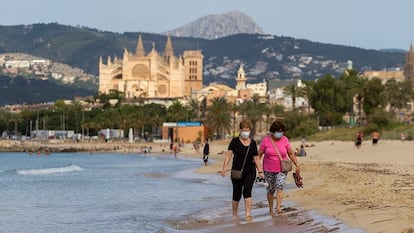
x=239, y=152
x=206, y=149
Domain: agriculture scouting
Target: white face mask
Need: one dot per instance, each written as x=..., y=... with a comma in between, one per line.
x=245, y=134
x=278, y=134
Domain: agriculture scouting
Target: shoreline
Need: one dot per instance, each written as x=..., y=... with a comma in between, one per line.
x=371, y=188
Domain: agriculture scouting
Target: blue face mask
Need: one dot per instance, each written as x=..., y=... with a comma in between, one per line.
x=278, y=134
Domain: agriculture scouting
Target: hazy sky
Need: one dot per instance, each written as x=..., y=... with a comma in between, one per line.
x=370, y=24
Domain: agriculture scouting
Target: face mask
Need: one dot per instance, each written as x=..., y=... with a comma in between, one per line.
x=245, y=134
x=278, y=134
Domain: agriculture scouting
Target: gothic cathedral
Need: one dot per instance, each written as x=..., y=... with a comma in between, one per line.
x=152, y=75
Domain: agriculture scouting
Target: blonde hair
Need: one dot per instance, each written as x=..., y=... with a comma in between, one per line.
x=245, y=124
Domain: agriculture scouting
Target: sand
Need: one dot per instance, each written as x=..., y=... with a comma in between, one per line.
x=371, y=188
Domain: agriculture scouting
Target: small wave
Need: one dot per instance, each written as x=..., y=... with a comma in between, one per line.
x=48, y=171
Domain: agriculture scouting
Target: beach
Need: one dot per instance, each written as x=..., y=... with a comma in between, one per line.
x=371, y=188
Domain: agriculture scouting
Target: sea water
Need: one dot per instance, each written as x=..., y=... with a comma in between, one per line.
x=106, y=192
x=114, y=192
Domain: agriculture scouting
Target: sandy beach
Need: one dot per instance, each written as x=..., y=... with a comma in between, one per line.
x=371, y=188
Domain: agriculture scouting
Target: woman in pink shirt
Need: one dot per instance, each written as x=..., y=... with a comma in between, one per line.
x=271, y=163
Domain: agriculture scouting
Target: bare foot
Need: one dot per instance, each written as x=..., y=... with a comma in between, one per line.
x=279, y=211
x=249, y=218
x=235, y=219
x=272, y=214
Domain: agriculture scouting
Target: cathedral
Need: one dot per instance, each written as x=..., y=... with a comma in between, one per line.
x=152, y=76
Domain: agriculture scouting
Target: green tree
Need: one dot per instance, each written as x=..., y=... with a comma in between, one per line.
x=293, y=91
x=253, y=110
x=218, y=116
x=307, y=91
x=194, y=109
x=373, y=96
x=353, y=85
x=328, y=100
x=397, y=95
x=177, y=112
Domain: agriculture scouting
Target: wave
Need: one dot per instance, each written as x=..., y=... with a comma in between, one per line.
x=48, y=171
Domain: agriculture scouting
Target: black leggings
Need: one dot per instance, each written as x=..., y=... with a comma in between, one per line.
x=243, y=185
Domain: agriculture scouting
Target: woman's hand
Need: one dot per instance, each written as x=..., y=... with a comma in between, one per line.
x=297, y=168
x=261, y=175
x=223, y=172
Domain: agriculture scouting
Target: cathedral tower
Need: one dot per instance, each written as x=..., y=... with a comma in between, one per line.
x=241, y=78
x=409, y=65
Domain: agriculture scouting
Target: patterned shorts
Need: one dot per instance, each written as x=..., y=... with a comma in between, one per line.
x=276, y=180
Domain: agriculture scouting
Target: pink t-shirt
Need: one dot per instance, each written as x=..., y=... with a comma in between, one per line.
x=271, y=162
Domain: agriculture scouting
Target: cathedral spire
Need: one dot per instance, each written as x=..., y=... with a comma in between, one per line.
x=241, y=78
x=140, y=51
x=109, y=63
x=169, y=51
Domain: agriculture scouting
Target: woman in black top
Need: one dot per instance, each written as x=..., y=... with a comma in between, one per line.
x=239, y=147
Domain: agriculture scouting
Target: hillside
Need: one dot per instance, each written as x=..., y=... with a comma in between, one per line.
x=20, y=90
x=267, y=57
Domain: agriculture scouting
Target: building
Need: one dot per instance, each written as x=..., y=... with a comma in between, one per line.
x=152, y=75
x=187, y=132
x=385, y=75
x=409, y=65
x=237, y=95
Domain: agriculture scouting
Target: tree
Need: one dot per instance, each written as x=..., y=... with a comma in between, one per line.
x=293, y=91
x=194, y=109
x=307, y=91
x=353, y=85
x=398, y=94
x=373, y=96
x=253, y=110
x=176, y=112
x=328, y=100
x=218, y=116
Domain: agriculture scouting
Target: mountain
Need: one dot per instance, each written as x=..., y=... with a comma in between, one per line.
x=267, y=57
x=217, y=26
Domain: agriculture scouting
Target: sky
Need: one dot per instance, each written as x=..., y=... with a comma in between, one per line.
x=368, y=24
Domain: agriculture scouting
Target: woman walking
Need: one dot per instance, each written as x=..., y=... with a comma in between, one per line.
x=269, y=148
x=245, y=159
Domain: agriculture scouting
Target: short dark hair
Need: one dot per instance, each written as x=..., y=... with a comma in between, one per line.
x=277, y=126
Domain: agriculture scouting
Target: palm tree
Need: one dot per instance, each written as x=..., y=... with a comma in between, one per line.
x=306, y=91
x=253, y=109
x=177, y=112
x=353, y=84
x=293, y=91
x=194, y=109
x=218, y=116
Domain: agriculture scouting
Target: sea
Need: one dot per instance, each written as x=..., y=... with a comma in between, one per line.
x=110, y=192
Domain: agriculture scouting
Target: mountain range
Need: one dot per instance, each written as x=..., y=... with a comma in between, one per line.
x=263, y=56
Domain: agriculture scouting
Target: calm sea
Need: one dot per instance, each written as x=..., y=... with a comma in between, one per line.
x=108, y=192
x=79, y=192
